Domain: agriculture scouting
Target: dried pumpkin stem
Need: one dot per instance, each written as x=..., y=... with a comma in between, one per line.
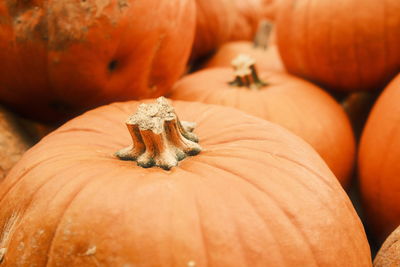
x=246, y=73
x=263, y=35
x=158, y=137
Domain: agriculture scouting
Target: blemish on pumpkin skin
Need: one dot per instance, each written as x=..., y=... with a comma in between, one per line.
x=122, y=4
x=191, y=264
x=26, y=24
x=2, y=254
x=7, y=233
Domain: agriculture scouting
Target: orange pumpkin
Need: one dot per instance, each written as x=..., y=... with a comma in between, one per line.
x=379, y=168
x=293, y=103
x=263, y=49
x=344, y=45
x=221, y=21
x=61, y=57
x=389, y=253
x=255, y=196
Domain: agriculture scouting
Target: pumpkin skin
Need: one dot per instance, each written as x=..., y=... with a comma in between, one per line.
x=389, y=253
x=61, y=57
x=255, y=196
x=295, y=104
x=346, y=51
x=379, y=169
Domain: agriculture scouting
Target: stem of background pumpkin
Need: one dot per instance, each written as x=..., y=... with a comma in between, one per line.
x=159, y=138
x=263, y=34
x=246, y=73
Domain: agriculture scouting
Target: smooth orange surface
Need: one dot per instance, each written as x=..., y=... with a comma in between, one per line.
x=61, y=57
x=346, y=45
x=297, y=105
x=267, y=59
x=379, y=168
x=255, y=196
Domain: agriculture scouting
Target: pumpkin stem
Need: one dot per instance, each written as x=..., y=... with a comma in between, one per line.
x=263, y=35
x=158, y=137
x=246, y=73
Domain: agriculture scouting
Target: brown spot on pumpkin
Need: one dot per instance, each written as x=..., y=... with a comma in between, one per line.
x=122, y=4
x=17, y=7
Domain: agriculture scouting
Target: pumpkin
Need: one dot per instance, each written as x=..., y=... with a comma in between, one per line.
x=345, y=45
x=256, y=195
x=389, y=253
x=379, y=168
x=61, y=57
x=14, y=141
x=262, y=49
x=221, y=21
x=297, y=105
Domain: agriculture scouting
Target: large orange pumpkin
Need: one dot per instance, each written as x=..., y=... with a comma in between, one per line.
x=60, y=57
x=293, y=103
x=379, y=167
x=255, y=196
x=345, y=45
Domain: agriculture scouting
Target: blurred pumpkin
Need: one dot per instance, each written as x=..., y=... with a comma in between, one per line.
x=61, y=57
x=221, y=21
x=379, y=168
x=344, y=45
x=293, y=103
x=389, y=253
x=14, y=141
x=263, y=50
x=256, y=195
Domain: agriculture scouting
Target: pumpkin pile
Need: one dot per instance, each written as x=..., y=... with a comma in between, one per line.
x=199, y=133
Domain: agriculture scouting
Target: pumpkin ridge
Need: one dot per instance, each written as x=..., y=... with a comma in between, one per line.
x=282, y=171
x=244, y=197
x=23, y=212
x=202, y=230
x=259, y=189
x=21, y=178
x=83, y=186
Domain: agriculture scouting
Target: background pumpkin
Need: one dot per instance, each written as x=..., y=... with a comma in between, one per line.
x=344, y=45
x=221, y=21
x=13, y=141
x=263, y=50
x=257, y=195
x=389, y=254
x=379, y=168
x=299, y=106
x=61, y=57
